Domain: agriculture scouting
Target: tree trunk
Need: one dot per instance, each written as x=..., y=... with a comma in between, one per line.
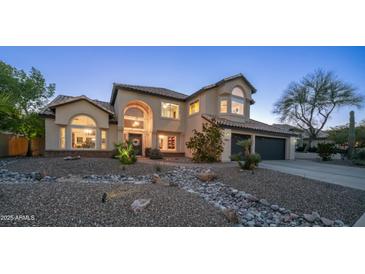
x=29, y=152
x=309, y=145
x=351, y=138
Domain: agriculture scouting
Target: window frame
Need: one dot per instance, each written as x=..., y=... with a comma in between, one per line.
x=167, y=138
x=192, y=103
x=238, y=100
x=170, y=104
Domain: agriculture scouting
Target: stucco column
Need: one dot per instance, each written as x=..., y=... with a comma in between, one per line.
x=154, y=140
x=253, y=142
x=227, y=134
x=68, y=138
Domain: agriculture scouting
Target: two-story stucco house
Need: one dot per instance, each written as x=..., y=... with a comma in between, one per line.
x=152, y=117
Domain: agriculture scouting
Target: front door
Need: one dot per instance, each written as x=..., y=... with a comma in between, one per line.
x=136, y=140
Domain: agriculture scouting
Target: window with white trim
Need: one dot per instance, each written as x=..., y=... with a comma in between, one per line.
x=62, y=138
x=103, y=139
x=169, y=110
x=223, y=106
x=83, y=132
x=167, y=142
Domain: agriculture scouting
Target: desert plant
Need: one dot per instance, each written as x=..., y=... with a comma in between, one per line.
x=251, y=161
x=126, y=153
x=158, y=168
x=246, y=146
x=358, y=157
x=236, y=157
x=325, y=151
x=351, y=137
x=207, y=145
x=155, y=154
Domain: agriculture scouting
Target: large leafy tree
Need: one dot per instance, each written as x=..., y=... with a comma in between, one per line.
x=310, y=102
x=23, y=95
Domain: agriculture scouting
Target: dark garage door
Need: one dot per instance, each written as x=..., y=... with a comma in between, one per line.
x=236, y=149
x=270, y=148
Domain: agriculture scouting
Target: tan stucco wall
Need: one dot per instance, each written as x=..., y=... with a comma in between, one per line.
x=52, y=132
x=65, y=113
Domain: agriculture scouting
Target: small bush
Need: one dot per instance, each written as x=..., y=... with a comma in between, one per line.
x=358, y=157
x=155, y=154
x=325, y=151
x=313, y=149
x=251, y=162
x=236, y=157
x=300, y=149
x=207, y=145
x=158, y=168
x=147, y=151
x=126, y=153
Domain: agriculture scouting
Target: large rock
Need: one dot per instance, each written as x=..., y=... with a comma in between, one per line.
x=309, y=218
x=156, y=179
x=231, y=215
x=139, y=204
x=37, y=176
x=207, y=175
x=327, y=222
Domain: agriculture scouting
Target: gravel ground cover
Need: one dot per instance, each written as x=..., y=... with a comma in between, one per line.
x=85, y=166
x=300, y=194
x=79, y=204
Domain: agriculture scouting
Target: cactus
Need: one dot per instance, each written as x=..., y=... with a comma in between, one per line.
x=351, y=140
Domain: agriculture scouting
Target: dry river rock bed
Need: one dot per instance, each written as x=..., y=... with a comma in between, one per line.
x=181, y=200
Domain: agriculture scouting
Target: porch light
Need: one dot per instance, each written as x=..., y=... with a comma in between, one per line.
x=135, y=124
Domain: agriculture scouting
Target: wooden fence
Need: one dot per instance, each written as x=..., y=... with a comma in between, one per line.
x=14, y=145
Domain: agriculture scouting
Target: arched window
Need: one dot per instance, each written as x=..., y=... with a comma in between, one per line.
x=83, y=120
x=83, y=132
x=237, y=102
x=237, y=92
x=134, y=118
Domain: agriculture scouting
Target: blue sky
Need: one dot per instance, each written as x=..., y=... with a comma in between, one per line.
x=92, y=70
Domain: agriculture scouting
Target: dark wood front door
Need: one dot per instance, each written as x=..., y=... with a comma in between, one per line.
x=136, y=140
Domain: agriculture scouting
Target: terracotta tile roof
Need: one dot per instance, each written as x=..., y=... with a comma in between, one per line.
x=174, y=94
x=164, y=92
x=250, y=125
x=64, y=99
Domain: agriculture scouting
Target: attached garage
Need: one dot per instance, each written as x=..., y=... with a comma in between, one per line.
x=270, y=148
x=236, y=149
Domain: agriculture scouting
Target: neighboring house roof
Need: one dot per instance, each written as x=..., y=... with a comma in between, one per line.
x=250, y=125
x=321, y=135
x=288, y=127
x=64, y=99
x=174, y=94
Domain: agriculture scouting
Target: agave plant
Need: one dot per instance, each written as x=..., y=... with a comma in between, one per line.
x=125, y=153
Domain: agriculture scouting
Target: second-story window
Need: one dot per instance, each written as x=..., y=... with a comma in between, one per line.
x=169, y=110
x=194, y=107
x=237, y=101
x=223, y=106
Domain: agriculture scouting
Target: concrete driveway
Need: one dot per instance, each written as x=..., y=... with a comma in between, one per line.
x=335, y=174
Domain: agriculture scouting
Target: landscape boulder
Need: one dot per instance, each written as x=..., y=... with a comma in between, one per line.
x=231, y=215
x=72, y=157
x=207, y=175
x=139, y=204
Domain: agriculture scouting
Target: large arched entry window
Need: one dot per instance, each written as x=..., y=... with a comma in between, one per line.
x=134, y=118
x=83, y=132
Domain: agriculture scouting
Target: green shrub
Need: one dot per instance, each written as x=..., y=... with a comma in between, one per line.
x=325, y=151
x=155, y=153
x=251, y=161
x=158, y=168
x=126, y=153
x=236, y=157
x=358, y=157
x=206, y=146
x=246, y=146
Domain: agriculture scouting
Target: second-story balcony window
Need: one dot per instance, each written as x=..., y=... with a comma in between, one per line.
x=169, y=110
x=134, y=118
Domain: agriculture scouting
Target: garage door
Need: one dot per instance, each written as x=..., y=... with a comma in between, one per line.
x=270, y=148
x=236, y=149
